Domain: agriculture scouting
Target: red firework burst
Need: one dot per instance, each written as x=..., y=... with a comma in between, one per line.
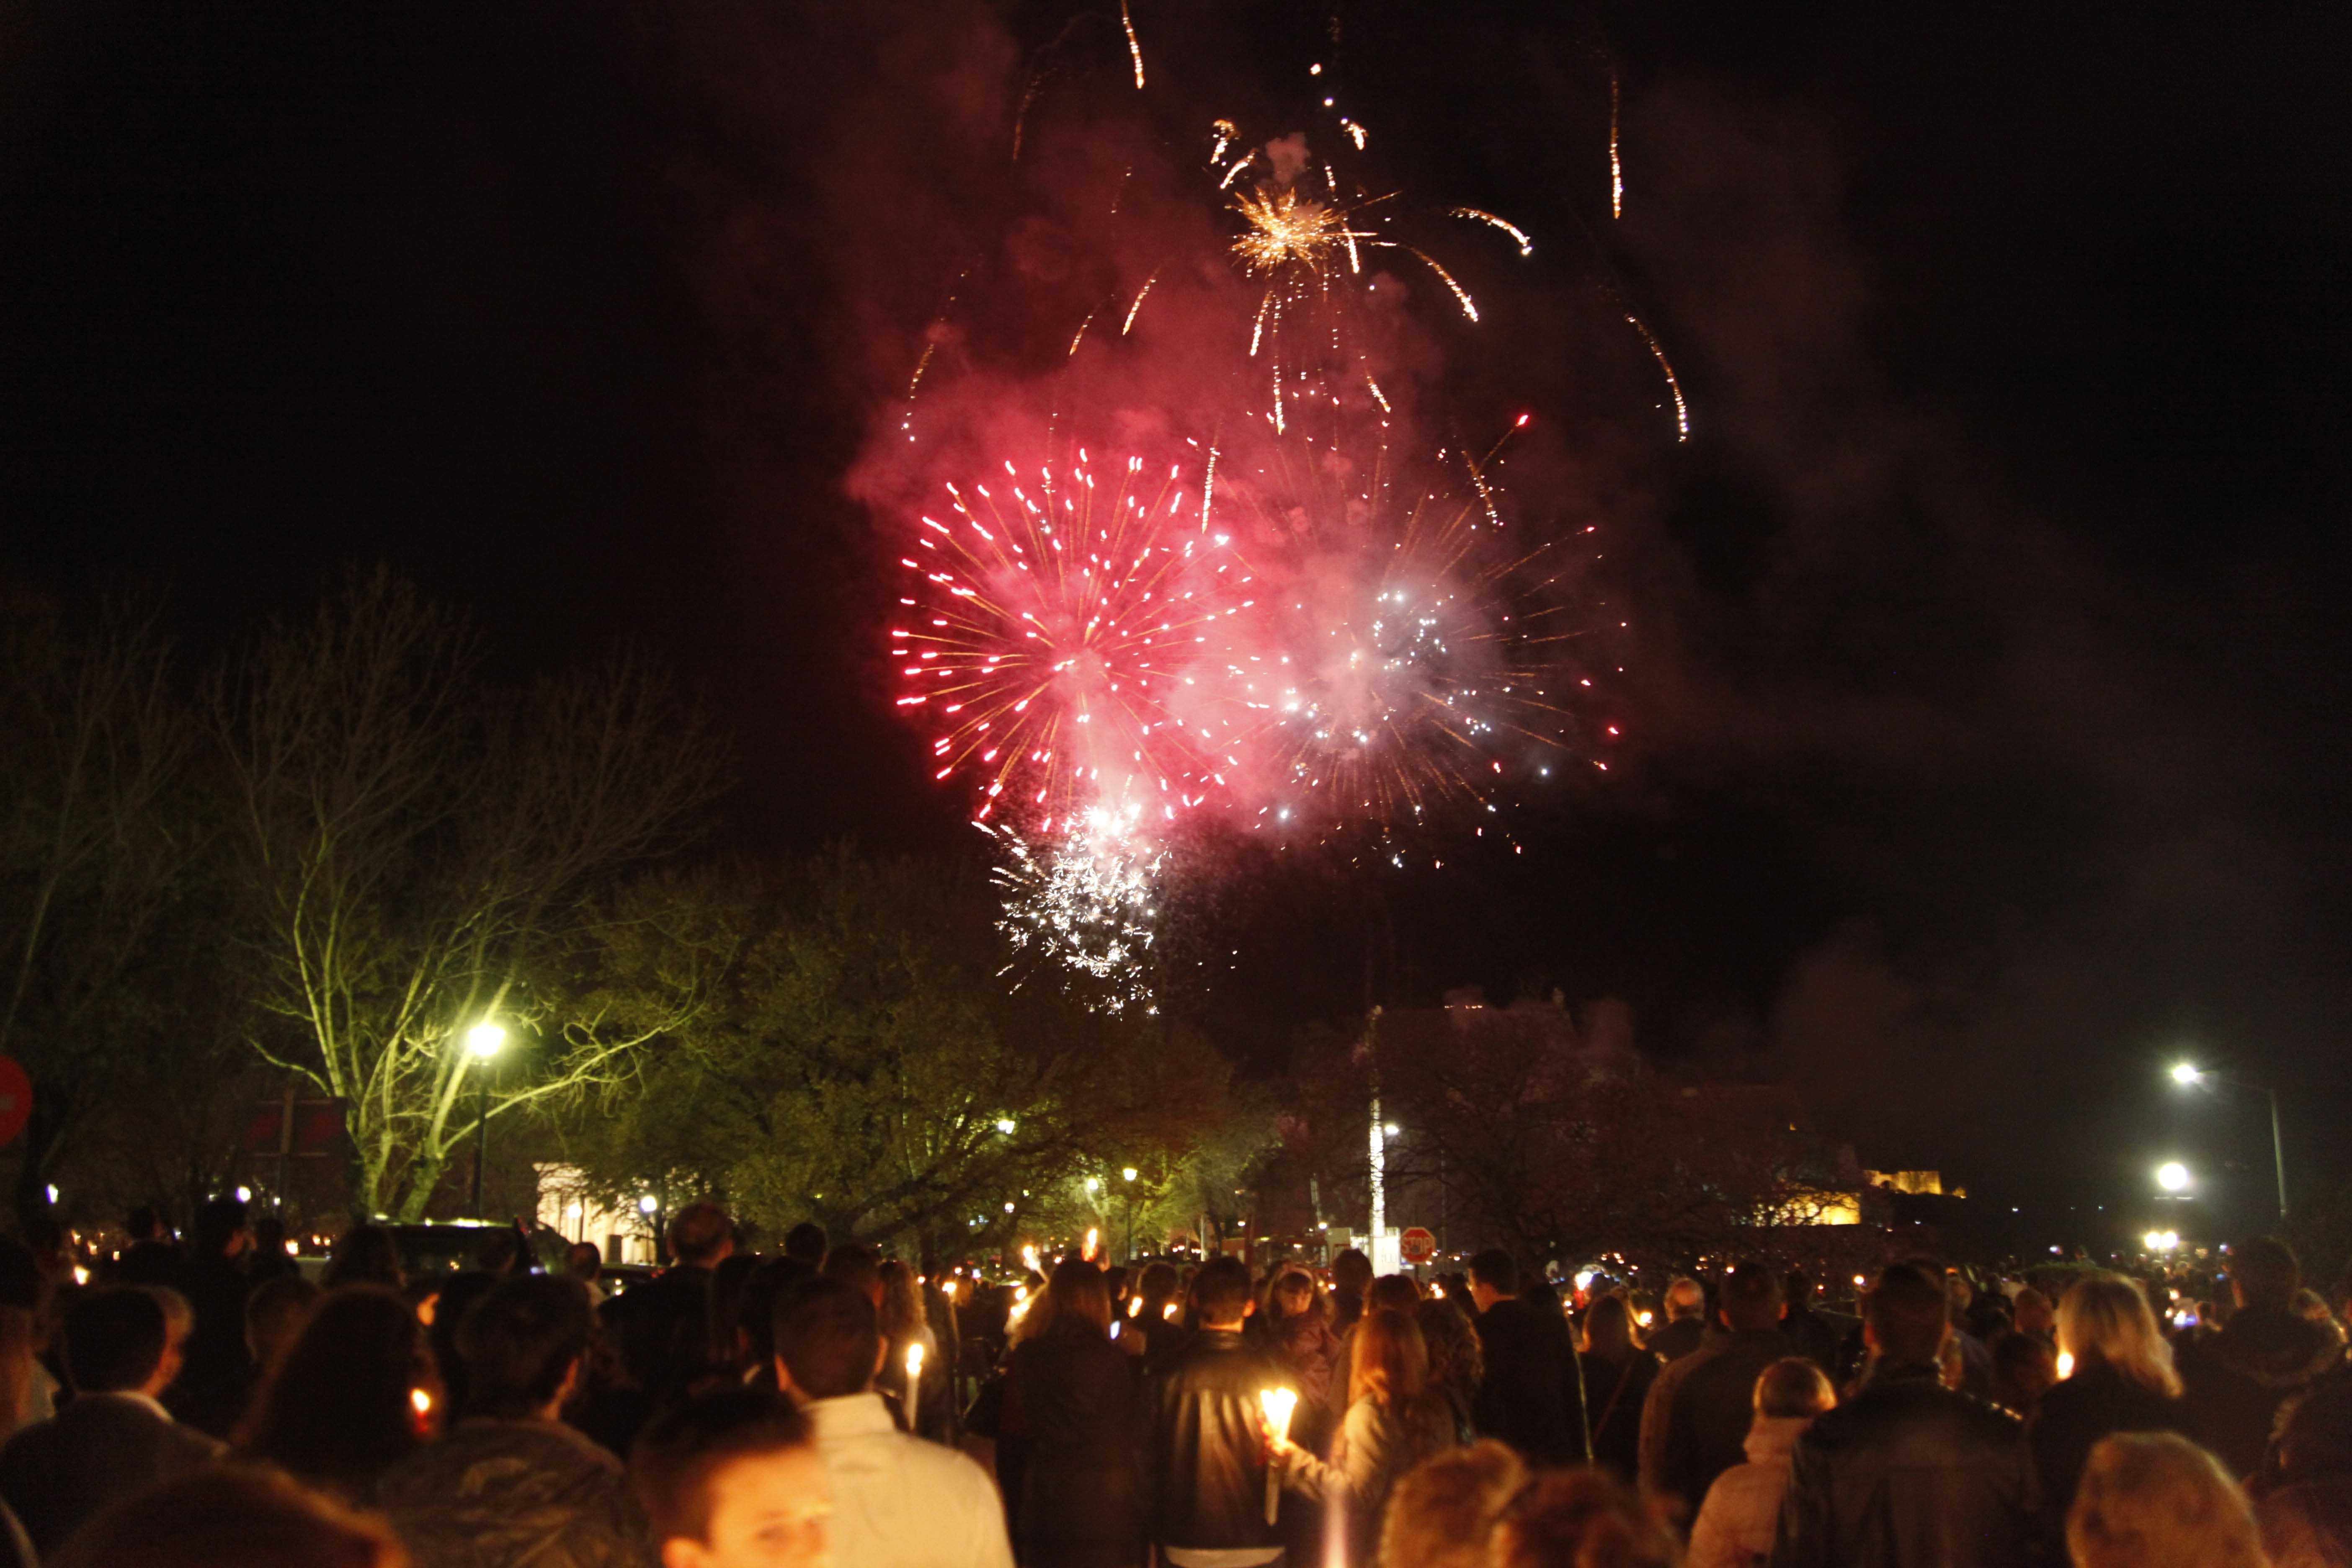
x=1058, y=630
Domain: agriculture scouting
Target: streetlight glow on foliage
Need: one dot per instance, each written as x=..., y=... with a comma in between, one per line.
x=2172, y=1175
x=485, y=1038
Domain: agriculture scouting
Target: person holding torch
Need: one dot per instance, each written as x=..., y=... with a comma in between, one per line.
x=1210, y=1451
x=1394, y=1421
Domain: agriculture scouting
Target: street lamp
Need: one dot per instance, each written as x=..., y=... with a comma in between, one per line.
x=2188, y=1075
x=2172, y=1175
x=482, y=1042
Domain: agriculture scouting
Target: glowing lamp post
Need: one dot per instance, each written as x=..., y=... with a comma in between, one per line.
x=2188, y=1075
x=483, y=1042
x=1276, y=1404
x=2172, y=1176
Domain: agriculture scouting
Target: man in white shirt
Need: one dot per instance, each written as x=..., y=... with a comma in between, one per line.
x=898, y=1501
x=116, y=1438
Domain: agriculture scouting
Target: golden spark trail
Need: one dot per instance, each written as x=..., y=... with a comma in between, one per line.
x=1128, y=324
x=1616, y=168
x=1527, y=246
x=1127, y=21
x=1469, y=307
x=1673, y=384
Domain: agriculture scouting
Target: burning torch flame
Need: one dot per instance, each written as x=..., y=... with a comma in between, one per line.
x=914, y=1366
x=1276, y=1403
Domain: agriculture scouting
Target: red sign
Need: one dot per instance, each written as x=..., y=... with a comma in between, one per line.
x=1417, y=1246
x=15, y=1100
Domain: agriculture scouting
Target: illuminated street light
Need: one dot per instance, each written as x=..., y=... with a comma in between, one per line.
x=2188, y=1075
x=482, y=1042
x=1004, y=1125
x=648, y=1204
x=2172, y=1175
x=1128, y=1174
x=1094, y=1183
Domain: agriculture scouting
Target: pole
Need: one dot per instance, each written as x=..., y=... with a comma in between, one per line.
x=2278, y=1155
x=481, y=1138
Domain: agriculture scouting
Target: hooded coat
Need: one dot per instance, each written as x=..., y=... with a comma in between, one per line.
x=1742, y=1509
x=2240, y=1375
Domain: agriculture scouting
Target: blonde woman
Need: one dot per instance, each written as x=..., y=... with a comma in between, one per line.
x=2149, y=1500
x=2121, y=1381
x=1394, y=1422
x=1736, y=1522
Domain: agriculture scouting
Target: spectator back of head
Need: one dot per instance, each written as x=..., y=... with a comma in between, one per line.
x=700, y=1234
x=520, y=1340
x=1905, y=1311
x=114, y=1338
x=274, y=1314
x=2265, y=1271
x=1685, y=1298
x=22, y=1284
x=1221, y=1291
x=363, y=1255
x=1496, y=1270
x=219, y=1221
x=1440, y=1513
x=1581, y=1519
x=1751, y=1299
x=805, y=1241
x=1792, y=1386
x=828, y=1338
x=2156, y=1497
x=677, y=1458
x=855, y=1266
x=1351, y=1273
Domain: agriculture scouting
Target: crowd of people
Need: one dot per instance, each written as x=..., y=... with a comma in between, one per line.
x=822, y=1404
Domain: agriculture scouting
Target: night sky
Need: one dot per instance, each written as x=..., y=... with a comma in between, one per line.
x=1984, y=709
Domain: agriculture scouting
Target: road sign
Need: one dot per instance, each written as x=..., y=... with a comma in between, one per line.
x=15, y=1100
x=1417, y=1245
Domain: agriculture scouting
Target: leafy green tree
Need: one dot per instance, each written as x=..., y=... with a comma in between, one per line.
x=864, y=1064
x=420, y=852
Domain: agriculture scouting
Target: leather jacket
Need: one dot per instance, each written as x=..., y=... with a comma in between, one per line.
x=1208, y=1451
x=1907, y=1473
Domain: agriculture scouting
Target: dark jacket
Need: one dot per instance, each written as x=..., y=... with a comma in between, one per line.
x=507, y=1494
x=2240, y=1375
x=1071, y=1401
x=2076, y=1414
x=662, y=1328
x=1907, y=1474
x=1677, y=1339
x=1207, y=1451
x=1616, y=1390
x=1520, y=1401
x=60, y=1473
x=1708, y=1403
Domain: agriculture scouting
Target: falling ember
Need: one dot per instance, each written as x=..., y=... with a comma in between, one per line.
x=1616, y=167
x=1461, y=295
x=1673, y=384
x=1527, y=246
x=1127, y=325
x=1134, y=50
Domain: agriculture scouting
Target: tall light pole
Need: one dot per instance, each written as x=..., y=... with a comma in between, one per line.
x=483, y=1041
x=2188, y=1075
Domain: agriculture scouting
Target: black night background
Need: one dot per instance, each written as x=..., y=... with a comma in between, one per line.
x=1985, y=743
